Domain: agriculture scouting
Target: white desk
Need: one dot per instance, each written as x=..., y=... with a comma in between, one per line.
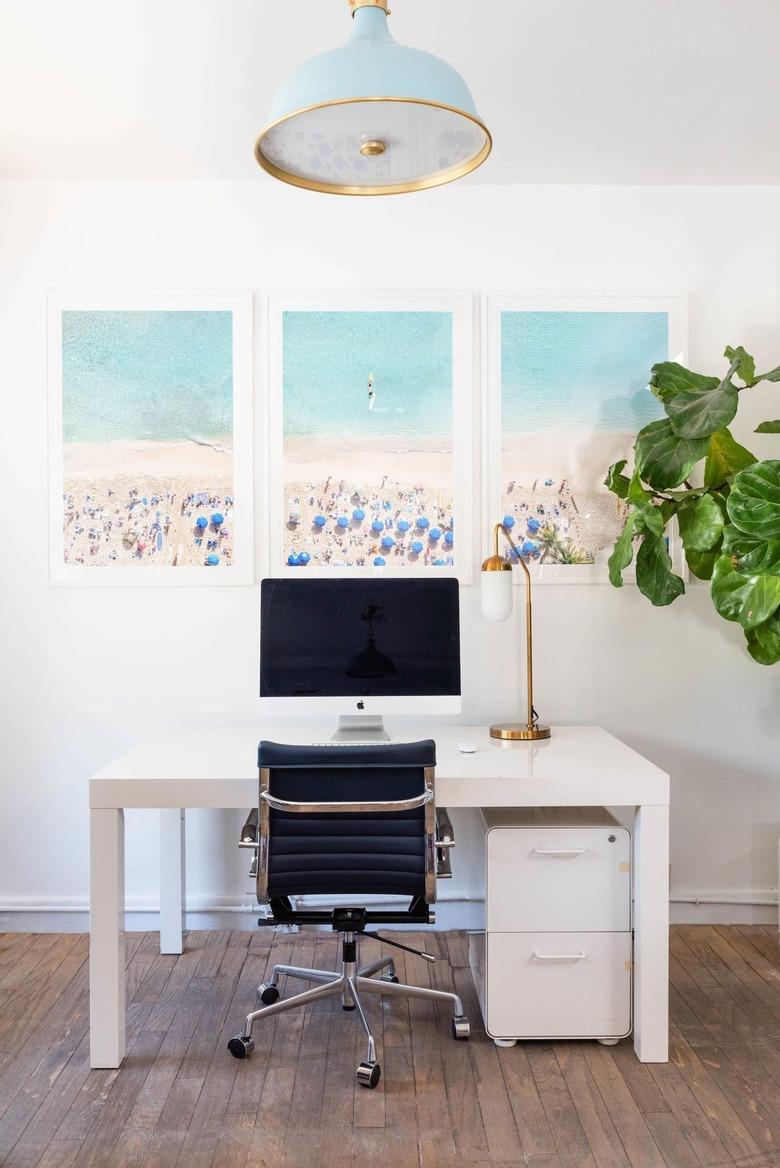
x=578, y=766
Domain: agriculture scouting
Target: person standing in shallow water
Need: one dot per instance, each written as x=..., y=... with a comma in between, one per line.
x=371, y=393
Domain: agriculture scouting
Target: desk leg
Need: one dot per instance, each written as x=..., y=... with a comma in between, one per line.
x=172, y=879
x=651, y=934
x=107, y=937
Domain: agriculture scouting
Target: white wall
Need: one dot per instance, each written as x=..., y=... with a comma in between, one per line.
x=86, y=672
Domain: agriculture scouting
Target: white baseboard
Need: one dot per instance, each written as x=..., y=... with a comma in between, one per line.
x=687, y=906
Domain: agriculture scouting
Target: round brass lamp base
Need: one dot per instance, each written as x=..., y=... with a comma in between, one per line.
x=519, y=732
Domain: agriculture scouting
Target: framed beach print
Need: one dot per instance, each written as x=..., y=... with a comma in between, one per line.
x=150, y=438
x=371, y=433
x=566, y=392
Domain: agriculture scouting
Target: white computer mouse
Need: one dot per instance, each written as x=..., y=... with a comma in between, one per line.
x=467, y=748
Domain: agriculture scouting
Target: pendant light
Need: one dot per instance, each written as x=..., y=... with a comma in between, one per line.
x=372, y=118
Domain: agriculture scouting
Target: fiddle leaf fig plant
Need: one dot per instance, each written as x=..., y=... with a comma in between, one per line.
x=729, y=526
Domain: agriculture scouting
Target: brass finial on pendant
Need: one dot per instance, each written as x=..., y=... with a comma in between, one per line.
x=355, y=4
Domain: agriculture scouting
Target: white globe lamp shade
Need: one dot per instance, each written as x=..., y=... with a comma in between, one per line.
x=372, y=118
x=496, y=594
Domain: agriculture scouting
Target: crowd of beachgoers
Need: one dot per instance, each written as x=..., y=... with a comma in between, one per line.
x=160, y=522
x=341, y=524
x=552, y=526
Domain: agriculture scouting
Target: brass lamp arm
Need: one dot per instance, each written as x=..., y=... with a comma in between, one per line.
x=532, y=717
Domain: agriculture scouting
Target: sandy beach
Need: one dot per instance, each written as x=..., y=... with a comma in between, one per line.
x=148, y=503
x=354, y=504
x=552, y=488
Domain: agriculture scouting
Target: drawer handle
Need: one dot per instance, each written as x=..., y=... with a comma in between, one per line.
x=560, y=956
x=558, y=851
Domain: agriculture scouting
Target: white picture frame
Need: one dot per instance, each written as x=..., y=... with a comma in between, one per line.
x=465, y=419
x=240, y=570
x=674, y=305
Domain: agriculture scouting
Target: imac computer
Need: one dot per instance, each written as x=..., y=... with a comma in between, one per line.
x=360, y=649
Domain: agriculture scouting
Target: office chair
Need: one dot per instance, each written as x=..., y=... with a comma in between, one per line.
x=355, y=819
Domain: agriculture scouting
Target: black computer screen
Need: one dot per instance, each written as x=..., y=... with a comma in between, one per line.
x=353, y=638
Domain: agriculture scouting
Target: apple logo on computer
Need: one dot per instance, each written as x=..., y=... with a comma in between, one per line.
x=361, y=705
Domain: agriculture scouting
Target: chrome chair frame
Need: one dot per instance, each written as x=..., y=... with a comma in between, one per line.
x=352, y=978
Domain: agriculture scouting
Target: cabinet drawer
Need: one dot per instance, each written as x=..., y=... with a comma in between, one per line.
x=558, y=985
x=558, y=878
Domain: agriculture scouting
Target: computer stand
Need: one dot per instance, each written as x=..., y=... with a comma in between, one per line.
x=361, y=728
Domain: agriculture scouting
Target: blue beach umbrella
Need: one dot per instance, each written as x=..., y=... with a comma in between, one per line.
x=303, y=558
x=439, y=563
x=217, y=518
x=292, y=560
x=423, y=522
x=212, y=560
x=320, y=521
x=404, y=525
x=434, y=533
x=448, y=538
x=533, y=526
x=377, y=525
x=342, y=521
x=417, y=547
x=358, y=514
x=202, y=522
x=529, y=548
x=387, y=541
x=379, y=561
x=508, y=521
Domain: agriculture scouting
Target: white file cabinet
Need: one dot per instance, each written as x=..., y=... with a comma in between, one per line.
x=554, y=960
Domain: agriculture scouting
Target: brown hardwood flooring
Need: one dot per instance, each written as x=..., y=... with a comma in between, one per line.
x=181, y=1099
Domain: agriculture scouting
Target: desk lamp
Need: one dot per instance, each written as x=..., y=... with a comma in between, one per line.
x=497, y=601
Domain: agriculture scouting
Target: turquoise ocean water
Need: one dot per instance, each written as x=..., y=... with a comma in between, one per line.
x=157, y=375
x=580, y=369
x=327, y=359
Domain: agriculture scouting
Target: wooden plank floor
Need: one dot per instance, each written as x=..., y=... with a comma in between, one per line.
x=180, y=1099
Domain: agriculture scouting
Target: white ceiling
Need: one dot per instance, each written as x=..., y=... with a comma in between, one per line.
x=574, y=91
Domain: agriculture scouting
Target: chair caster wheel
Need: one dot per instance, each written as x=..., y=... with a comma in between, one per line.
x=368, y=1074
x=460, y=1028
x=390, y=977
x=241, y=1046
x=267, y=994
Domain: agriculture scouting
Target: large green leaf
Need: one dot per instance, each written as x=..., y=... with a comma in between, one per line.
x=701, y=523
x=751, y=553
x=746, y=365
x=754, y=501
x=698, y=413
x=768, y=427
x=725, y=458
x=649, y=519
x=654, y=576
x=667, y=379
x=763, y=642
x=637, y=494
x=751, y=600
x=663, y=458
x=616, y=481
x=702, y=563
x=622, y=553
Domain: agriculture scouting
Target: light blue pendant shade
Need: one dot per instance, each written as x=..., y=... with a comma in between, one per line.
x=372, y=118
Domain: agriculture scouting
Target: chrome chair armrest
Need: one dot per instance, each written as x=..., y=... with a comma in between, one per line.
x=445, y=841
x=248, y=837
x=358, y=808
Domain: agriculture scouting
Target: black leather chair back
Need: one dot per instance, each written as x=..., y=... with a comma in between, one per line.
x=349, y=852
